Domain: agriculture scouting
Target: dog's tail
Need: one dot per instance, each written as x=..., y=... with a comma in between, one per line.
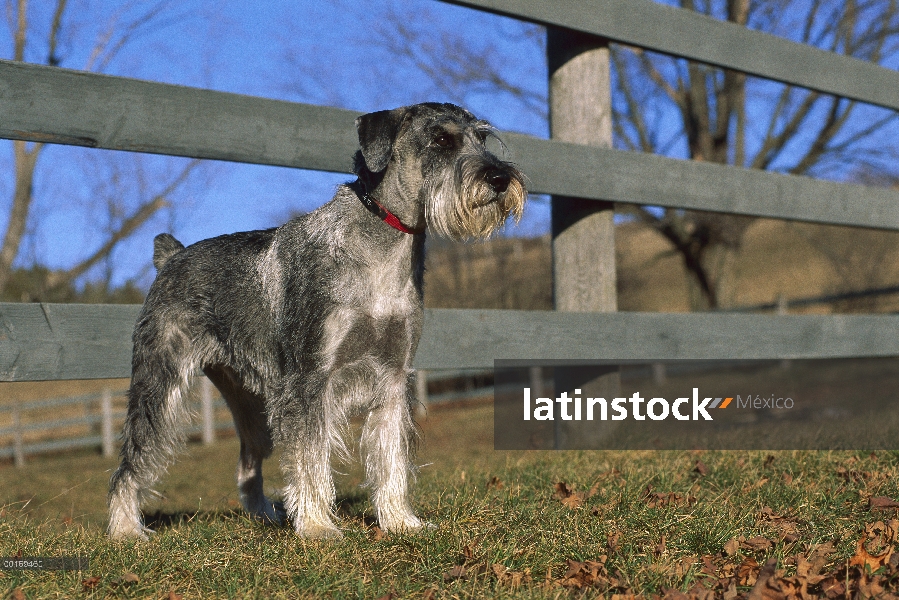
x=164, y=247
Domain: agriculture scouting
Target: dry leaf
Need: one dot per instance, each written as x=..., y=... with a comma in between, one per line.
x=126, y=579
x=731, y=547
x=376, y=534
x=17, y=594
x=495, y=483
x=568, y=496
x=683, y=566
x=761, y=590
x=512, y=579
x=173, y=595
x=660, y=547
x=429, y=594
x=468, y=552
x=90, y=583
x=591, y=573
x=661, y=500
x=612, y=540
x=701, y=468
x=882, y=502
x=874, y=549
x=562, y=490
x=747, y=572
x=768, y=461
x=731, y=592
x=756, y=544
x=853, y=475
x=573, y=501
x=457, y=572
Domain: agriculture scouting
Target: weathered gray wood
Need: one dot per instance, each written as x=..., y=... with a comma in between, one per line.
x=474, y=338
x=72, y=341
x=61, y=106
x=583, y=233
x=631, y=177
x=65, y=341
x=69, y=107
x=688, y=34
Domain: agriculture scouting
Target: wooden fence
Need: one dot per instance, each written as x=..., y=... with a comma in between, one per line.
x=45, y=341
x=94, y=420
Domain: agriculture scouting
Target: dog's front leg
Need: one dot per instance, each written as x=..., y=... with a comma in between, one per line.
x=388, y=438
x=309, y=493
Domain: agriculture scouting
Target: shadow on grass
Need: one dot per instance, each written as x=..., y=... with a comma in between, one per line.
x=160, y=520
x=352, y=506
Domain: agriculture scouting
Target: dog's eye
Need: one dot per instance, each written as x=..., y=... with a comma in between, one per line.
x=444, y=140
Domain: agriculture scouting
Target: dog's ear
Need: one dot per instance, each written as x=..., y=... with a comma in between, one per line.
x=377, y=133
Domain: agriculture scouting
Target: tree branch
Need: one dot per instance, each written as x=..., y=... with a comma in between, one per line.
x=59, y=279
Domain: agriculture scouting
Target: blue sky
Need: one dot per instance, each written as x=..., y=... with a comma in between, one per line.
x=317, y=51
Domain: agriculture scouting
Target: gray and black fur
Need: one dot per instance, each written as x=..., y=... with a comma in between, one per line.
x=303, y=326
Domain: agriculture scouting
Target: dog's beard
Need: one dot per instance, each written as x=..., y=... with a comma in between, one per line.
x=462, y=205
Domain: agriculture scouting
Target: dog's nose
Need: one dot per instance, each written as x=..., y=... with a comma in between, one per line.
x=497, y=179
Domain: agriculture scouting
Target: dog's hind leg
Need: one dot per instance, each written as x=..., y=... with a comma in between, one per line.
x=153, y=431
x=388, y=440
x=248, y=410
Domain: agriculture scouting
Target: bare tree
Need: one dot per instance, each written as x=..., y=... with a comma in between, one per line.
x=727, y=118
x=47, y=37
x=689, y=110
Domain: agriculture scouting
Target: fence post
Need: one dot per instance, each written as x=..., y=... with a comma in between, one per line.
x=782, y=309
x=18, y=451
x=107, y=430
x=421, y=390
x=535, y=374
x=206, y=411
x=583, y=231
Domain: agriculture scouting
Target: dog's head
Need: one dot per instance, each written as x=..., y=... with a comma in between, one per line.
x=433, y=160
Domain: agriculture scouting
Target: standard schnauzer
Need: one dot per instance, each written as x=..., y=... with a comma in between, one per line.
x=303, y=326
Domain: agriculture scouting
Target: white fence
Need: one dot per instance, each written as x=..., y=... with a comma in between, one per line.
x=95, y=420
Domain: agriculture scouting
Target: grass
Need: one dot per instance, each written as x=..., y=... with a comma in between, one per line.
x=491, y=508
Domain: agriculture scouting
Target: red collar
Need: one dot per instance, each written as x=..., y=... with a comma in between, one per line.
x=385, y=215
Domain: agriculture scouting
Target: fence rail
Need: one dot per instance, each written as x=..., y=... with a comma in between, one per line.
x=72, y=341
x=117, y=113
x=56, y=433
x=68, y=107
x=688, y=34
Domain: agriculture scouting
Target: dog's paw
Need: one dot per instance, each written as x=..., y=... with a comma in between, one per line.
x=139, y=533
x=406, y=524
x=320, y=532
x=272, y=513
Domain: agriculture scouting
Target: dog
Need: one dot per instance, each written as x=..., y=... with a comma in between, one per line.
x=303, y=326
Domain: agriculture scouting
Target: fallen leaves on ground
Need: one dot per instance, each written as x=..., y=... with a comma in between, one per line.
x=590, y=573
x=495, y=483
x=472, y=564
x=90, y=583
x=567, y=495
x=881, y=502
x=665, y=499
x=786, y=528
